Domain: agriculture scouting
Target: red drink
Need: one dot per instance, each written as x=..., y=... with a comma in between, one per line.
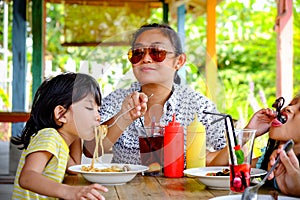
x=239, y=177
x=151, y=150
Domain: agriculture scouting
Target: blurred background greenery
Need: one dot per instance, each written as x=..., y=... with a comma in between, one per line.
x=246, y=53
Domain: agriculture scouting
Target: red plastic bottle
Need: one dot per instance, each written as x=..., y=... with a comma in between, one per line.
x=173, y=150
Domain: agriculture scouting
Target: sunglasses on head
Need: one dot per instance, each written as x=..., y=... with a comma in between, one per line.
x=156, y=54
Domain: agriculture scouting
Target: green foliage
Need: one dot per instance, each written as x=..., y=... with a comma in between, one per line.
x=246, y=52
x=4, y=98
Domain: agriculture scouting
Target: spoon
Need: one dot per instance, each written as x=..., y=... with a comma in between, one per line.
x=250, y=193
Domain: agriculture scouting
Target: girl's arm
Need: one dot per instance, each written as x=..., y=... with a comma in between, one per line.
x=75, y=154
x=31, y=178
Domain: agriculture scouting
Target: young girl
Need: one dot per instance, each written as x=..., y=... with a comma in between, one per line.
x=279, y=132
x=64, y=111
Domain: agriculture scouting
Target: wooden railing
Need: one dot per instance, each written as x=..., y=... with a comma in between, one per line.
x=14, y=116
x=11, y=117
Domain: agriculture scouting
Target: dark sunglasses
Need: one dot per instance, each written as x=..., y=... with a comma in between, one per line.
x=156, y=54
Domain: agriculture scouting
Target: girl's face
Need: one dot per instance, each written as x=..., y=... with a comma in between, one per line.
x=290, y=129
x=149, y=71
x=82, y=118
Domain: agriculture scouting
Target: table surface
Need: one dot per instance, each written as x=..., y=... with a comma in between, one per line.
x=150, y=187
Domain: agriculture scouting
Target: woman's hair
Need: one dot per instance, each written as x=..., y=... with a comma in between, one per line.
x=64, y=90
x=167, y=31
x=271, y=146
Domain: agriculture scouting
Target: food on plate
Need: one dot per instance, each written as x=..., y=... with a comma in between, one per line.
x=113, y=168
x=224, y=172
x=153, y=167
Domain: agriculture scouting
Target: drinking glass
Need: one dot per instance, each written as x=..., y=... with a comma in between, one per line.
x=240, y=152
x=151, y=142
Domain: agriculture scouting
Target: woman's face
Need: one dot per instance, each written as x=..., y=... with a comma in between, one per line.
x=290, y=129
x=149, y=71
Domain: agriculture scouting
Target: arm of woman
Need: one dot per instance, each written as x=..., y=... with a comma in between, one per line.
x=134, y=106
x=261, y=121
x=31, y=178
x=217, y=158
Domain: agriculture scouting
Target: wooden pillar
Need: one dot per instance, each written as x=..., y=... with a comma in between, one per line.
x=165, y=12
x=38, y=39
x=181, y=31
x=284, y=29
x=211, y=55
x=19, y=61
x=19, y=75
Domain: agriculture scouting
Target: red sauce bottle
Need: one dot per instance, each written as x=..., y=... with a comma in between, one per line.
x=173, y=149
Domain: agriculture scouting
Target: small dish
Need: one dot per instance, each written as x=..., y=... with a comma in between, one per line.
x=109, y=178
x=217, y=182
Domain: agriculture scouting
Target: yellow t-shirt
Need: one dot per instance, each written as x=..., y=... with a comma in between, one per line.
x=47, y=139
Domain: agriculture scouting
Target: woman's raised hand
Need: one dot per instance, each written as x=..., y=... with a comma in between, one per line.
x=261, y=121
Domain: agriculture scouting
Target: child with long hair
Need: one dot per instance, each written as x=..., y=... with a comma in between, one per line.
x=64, y=111
x=280, y=131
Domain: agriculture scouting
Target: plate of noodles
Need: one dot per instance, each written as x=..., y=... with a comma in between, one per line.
x=108, y=173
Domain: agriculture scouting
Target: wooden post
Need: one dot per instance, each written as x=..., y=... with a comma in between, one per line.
x=38, y=39
x=284, y=29
x=19, y=60
x=181, y=31
x=19, y=75
x=211, y=55
x=165, y=12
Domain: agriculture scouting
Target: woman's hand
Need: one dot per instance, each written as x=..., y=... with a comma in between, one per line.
x=261, y=121
x=287, y=173
x=135, y=105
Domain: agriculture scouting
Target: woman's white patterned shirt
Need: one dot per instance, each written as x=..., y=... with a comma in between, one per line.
x=184, y=102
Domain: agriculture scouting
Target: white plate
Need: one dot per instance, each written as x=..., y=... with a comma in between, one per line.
x=217, y=182
x=109, y=178
x=259, y=197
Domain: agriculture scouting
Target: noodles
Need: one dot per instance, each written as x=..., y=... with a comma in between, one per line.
x=113, y=168
x=100, y=134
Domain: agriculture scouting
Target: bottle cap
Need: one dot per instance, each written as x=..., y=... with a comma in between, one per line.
x=196, y=126
x=174, y=122
x=173, y=126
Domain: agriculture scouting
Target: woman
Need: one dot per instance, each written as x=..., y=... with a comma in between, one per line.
x=156, y=56
x=280, y=131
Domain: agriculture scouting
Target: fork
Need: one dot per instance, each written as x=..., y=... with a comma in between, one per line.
x=115, y=121
x=250, y=193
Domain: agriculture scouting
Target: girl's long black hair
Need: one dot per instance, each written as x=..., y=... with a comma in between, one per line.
x=271, y=146
x=64, y=89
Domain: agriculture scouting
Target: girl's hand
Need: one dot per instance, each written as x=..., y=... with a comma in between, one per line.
x=261, y=121
x=85, y=192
